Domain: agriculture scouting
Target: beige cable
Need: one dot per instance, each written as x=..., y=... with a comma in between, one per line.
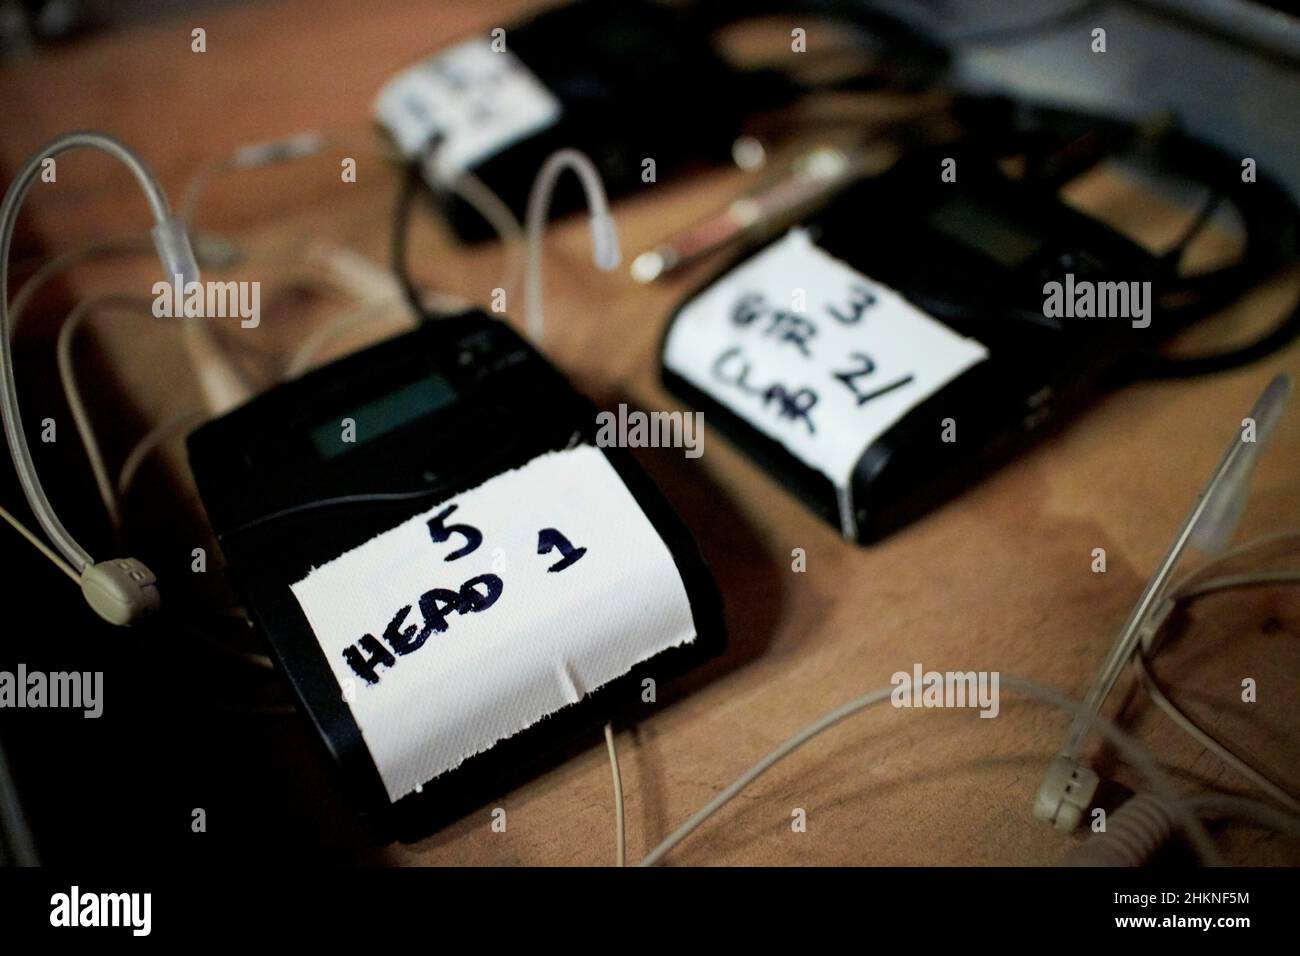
x=40, y=545
x=620, y=825
x=80, y=417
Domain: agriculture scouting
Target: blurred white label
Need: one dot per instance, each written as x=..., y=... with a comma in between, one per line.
x=814, y=354
x=478, y=101
x=468, y=623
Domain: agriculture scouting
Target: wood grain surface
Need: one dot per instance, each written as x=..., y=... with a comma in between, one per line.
x=998, y=578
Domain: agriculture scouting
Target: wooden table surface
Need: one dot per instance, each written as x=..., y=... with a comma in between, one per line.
x=999, y=578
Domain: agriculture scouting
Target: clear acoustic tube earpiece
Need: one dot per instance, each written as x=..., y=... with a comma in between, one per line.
x=604, y=234
x=1069, y=786
x=120, y=590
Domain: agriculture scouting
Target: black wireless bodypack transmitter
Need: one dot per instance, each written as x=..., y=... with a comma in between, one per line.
x=625, y=83
x=454, y=579
x=910, y=337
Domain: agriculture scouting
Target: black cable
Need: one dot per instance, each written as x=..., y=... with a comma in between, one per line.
x=903, y=58
x=1060, y=144
x=1272, y=228
x=1174, y=255
x=1158, y=365
x=306, y=506
x=17, y=848
x=411, y=185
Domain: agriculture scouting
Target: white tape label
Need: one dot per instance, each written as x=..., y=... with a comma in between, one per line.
x=472, y=621
x=814, y=354
x=477, y=100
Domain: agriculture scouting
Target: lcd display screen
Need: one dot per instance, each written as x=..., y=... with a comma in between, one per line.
x=382, y=415
x=984, y=229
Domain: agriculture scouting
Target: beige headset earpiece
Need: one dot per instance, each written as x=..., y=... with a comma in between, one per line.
x=120, y=590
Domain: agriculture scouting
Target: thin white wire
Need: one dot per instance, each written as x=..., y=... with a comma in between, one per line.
x=329, y=330
x=59, y=536
x=1196, y=585
x=483, y=200
x=1232, y=581
x=1131, y=748
x=266, y=153
x=141, y=450
x=1229, y=477
x=472, y=190
x=604, y=235
x=133, y=461
x=52, y=267
x=469, y=187
x=1244, y=808
x=1186, y=588
x=1193, y=730
x=205, y=348
x=72, y=392
x=620, y=827
x=40, y=545
x=466, y=186
x=131, y=465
